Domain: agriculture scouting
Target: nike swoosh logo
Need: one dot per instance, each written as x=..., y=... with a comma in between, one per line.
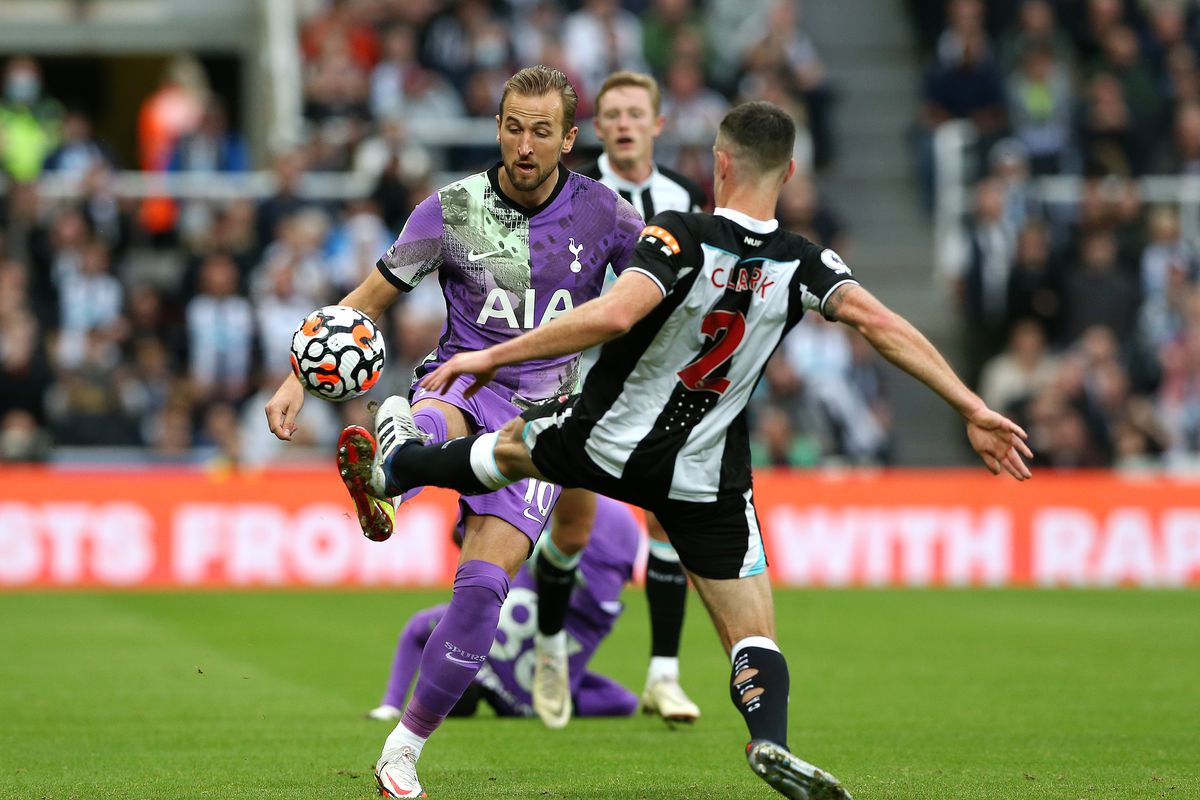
x=473, y=256
x=396, y=788
x=531, y=516
x=462, y=661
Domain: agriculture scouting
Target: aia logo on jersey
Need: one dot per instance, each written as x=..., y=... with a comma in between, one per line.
x=834, y=262
x=499, y=306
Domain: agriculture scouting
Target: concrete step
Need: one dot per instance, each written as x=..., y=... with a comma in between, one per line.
x=902, y=262
x=927, y=433
x=872, y=163
x=871, y=80
x=851, y=190
x=858, y=22
x=891, y=215
x=883, y=231
x=890, y=135
x=865, y=212
x=868, y=49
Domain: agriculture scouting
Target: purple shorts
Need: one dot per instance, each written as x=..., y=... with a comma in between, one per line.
x=526, y=504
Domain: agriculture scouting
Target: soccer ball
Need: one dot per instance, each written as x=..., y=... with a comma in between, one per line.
x=337, y=353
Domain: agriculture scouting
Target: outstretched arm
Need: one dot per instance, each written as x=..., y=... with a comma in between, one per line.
x=999, y=441
x=595, y=322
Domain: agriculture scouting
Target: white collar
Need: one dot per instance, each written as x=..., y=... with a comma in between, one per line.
x=619, y=183
x=749, y=223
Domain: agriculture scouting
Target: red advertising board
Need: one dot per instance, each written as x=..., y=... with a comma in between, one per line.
x=179, y=528
x=188, y=529
x=969, y=528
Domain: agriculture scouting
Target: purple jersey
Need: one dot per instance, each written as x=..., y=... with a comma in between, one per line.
x=505, y=269
x=606, y=566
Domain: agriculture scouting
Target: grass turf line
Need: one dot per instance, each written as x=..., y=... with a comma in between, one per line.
x=904, y=695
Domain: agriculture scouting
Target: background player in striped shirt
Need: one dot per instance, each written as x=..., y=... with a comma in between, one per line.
x=513, y=247
x=660, y=421
x=627, y=120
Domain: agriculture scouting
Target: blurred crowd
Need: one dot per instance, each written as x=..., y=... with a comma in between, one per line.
x=163, y=324
x=1080, y=318
x=373, y=67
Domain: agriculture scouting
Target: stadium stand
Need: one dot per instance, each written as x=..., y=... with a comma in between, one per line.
x=1067, y=217
x=1072, y=130
x=146, y=311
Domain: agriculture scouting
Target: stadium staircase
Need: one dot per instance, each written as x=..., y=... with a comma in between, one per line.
x=870, y=51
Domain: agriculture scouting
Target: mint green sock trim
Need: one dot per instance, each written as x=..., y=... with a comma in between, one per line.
x=664, y=551
x=557, y=557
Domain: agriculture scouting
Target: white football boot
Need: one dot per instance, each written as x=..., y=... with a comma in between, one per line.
x=552, y=680
x=792, y=777
x=666, y=698
x=396, y=773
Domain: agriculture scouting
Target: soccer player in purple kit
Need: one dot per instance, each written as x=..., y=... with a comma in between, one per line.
x=505, y=680
x=513, y=247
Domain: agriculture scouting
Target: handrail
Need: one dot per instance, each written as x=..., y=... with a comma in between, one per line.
x=951, y=145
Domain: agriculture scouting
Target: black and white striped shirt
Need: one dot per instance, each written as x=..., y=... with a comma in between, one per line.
x=664, y=190
x=664, y=406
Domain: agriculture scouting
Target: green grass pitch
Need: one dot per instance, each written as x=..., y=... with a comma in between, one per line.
x=902, y=694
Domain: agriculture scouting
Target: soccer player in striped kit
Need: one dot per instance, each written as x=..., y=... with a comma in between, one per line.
x=660, y=421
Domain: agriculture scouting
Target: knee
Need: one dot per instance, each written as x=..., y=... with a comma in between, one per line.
x=571, y=530
x=657, y=532
x=480, y=584
x=574, y=516
x=422, y=622
x=570, y=535
x=626, y=705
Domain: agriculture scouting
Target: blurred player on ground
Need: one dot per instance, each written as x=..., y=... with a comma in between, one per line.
x=514, y=247
x=660, y=421
x=505, y=681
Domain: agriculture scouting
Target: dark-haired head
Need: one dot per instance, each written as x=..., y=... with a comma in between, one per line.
x=759, y=136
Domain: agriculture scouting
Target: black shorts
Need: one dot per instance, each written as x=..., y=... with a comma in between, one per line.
x=719, y=539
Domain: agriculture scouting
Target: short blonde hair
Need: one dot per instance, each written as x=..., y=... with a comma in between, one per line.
x=639, y=80
x=538, y=80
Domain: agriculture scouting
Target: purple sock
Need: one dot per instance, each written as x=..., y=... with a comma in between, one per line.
x=458, y=646
x=432, y=422
x=408, y=654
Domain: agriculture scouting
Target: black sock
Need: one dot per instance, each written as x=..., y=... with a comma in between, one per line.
x=762, y=693
x=666, y=595
x=447, y=464
x=554, y=585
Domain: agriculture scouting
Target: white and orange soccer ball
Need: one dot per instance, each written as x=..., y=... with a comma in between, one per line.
x=337, y=353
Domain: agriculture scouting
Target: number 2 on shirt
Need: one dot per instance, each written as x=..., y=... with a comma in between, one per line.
x=726, y=329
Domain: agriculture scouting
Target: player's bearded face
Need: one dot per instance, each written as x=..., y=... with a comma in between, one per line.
x=532, y=139
x=528, y=170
